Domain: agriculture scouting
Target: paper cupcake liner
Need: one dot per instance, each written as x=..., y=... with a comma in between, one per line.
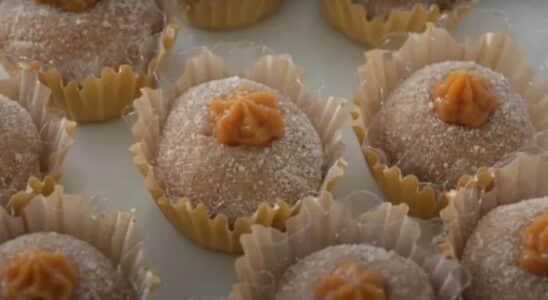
x=112, y=233
x=522, y=179
x=323, y=222
x=351, y=19
x=278, y=72
x=56, y=132
x=382, y=73
x=228, y=14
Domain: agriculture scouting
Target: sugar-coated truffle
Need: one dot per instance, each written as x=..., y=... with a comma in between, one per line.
x=61, y=267
x=449, y=119
x=493, y=252
x=267, y=148
x=334, y=269
x=20, y=148
x=109, y=33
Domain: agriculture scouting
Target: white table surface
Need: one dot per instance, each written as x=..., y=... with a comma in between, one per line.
x=99, y=166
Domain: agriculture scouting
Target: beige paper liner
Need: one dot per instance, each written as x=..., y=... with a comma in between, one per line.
x=522, y=179
x=56, y=132
x=323, y=222
x=102, y=98
x=113, y=233
x=383, y=73
x=350, y=18
x=280, y=73
x=227, y=14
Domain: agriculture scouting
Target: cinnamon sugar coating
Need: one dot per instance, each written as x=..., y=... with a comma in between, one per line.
x=413, y=137
x=97, y=279
x=234, y=180
x=402, y=277
x=112, y=33
x=493, y=250
x=20, y=148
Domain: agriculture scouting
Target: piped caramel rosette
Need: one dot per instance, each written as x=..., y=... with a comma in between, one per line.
x=71, y=5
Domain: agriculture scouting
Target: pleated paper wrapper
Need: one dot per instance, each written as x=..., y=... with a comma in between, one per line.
x=385, y=70
x=113, y=233
x=106, y=96
x=521, y=179
x=276, y=71
x=227, y=14
x=56, y=132
x=351, y=19
x=324, y=222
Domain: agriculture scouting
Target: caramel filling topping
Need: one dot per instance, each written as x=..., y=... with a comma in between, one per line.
x=37, y=274
x=71, y=5
x=247, y=118
x=464, y=98
x=351, y=281
x=534, y=247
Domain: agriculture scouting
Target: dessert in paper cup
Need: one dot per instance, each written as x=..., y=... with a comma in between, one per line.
x=222, y=150
x=435, y=112
x=94, y=55
x=327, y=253
x=57, y=249
x=35, y=139
x=227, y=14
x=386, y=24
x=499, y=235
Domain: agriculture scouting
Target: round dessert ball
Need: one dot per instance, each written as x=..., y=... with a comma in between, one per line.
x=409, y=130
x=234, y=180
x=20, y=148
x=402, y=276
x=80, y=44
x=96, y=277
x=382, y=8
x=493, y=250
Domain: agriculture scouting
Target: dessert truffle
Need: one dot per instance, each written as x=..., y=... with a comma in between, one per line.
x=355, y=272
x=55, y=266
x=449, y=119
x=20, y=148
x=506, y=253
x=79, y=38
x=233, y=143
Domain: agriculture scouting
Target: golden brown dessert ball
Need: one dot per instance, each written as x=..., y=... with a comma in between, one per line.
x=79, y=44
x=348, y=270
x=20, y=148
x=382, y=8
x=229, y=179
x=441, y=143
x=492, y=254
x=59, y=267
